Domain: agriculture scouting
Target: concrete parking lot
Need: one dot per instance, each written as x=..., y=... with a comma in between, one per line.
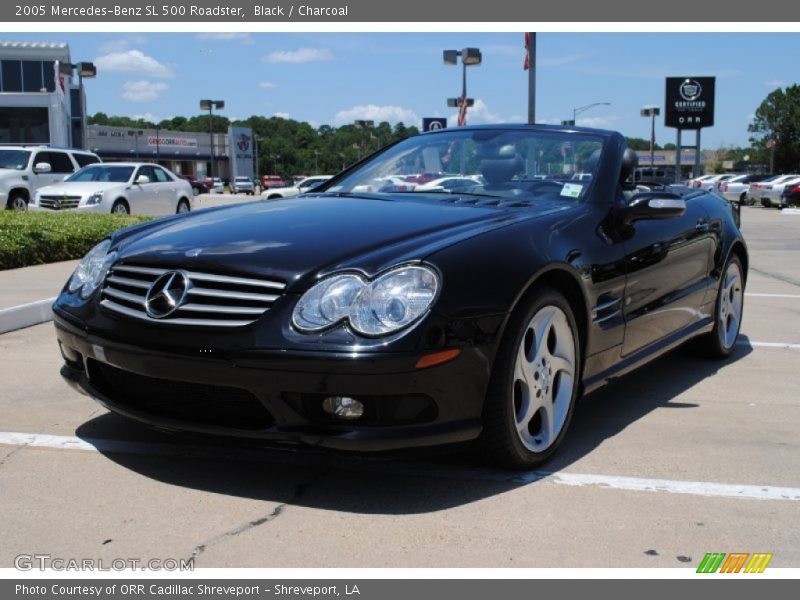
x=685, y=456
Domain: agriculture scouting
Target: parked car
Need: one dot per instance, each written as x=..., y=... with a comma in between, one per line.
x=791, y=196
x=756, y=191
x=696, y=181
x=243, y=185
x=120, y=188
x=735, y=189
x=375, y=321
x=25, y=169
x=712, y=183
x=772, y=193
x=302, y=187
x=272, y=181
x=198, y=187
x=450, y=183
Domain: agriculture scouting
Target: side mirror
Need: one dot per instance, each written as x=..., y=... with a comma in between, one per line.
x=142, y=179
x=655, y=205
x=42, y=167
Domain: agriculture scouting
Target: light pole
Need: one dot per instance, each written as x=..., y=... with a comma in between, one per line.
x=255, y=154
x=210, y=105
x=583, y=109
x=469, y=57
x=135, y=134
x=652, y=112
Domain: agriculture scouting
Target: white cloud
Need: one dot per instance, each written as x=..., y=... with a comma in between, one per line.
x=478, y=114
x=776, y=83
x=373, y=112
x=228, y=36
x=132, y=61
x=267, y=85
x=143, y=91
x=147, y=117
x=282, y=115
x=113, y=46
x=298, y=56
x=597, y=122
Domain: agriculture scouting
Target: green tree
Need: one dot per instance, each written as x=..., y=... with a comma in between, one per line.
x=776, y=129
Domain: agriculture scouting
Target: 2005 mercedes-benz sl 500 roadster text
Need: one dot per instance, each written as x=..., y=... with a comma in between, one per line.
x=367, y=315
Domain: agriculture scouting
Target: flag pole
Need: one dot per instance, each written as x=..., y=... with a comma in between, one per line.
x=530, y=65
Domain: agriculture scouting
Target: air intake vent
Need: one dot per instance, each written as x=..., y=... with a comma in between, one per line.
x=210, y=300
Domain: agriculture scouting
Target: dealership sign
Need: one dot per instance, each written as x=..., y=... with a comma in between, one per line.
x=689, y=102
x=174, y=142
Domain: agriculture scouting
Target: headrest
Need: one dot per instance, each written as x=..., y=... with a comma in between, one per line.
x=500, y=164
x=630, y=161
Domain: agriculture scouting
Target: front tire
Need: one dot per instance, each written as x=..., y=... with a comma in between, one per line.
x=728, y=310
x=120, y=207
x=183, y=207
x=534, y=383
x=17, y=202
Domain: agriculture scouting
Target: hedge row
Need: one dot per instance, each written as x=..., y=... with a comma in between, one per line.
x=34, y=238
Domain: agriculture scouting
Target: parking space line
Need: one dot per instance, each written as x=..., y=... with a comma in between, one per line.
x=772, y=295
x=639, y=484
x=783, y=345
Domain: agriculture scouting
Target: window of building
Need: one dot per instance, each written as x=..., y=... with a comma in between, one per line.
x=20, y=125
x=12, y=75
x=32, y=76
x=49, y=75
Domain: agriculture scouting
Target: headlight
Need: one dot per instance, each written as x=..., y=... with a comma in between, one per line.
x=92, y=269
x=389, y=303
x=95, y=198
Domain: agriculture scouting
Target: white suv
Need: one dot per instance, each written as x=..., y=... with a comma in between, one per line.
x=24, y=169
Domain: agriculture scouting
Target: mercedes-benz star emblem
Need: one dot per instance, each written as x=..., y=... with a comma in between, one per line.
x=166, y=294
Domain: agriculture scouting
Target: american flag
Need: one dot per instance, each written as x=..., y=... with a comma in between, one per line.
x=527, y=63
x=462, y=112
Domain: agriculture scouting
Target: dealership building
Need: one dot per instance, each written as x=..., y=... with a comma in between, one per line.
x=41, y=102
x=182, y=152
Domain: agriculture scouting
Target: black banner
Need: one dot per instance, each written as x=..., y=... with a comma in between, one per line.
x=689, y=102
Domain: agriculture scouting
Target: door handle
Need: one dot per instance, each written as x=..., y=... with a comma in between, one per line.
x=701, y=226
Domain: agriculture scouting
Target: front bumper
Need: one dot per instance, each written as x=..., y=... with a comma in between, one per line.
x=276, y=396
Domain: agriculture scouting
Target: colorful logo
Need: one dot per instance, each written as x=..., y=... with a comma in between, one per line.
x=735, y=562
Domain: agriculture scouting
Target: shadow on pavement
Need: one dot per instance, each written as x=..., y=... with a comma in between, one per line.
x=401, y=483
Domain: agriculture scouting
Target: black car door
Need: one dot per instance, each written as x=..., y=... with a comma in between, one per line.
x=667, y=264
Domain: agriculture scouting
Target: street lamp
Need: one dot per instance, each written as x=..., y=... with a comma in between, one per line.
x=210, y=105
x=583, y=109
x=470, y=57
x=157, y=127
x=652, y=112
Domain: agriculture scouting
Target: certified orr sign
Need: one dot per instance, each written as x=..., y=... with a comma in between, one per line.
x=689, y=102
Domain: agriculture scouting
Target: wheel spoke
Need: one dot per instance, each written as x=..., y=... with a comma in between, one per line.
x=561, y=364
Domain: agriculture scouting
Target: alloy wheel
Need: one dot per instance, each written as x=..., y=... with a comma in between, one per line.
x=730, y=305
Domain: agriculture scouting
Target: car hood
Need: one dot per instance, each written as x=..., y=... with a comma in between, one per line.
x=79, y=188
x=296, y=241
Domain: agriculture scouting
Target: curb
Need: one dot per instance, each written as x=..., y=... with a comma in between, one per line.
x=26, y=315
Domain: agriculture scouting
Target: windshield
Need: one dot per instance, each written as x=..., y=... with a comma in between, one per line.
x=14, y=159
x=108, y=173
x=523, y=164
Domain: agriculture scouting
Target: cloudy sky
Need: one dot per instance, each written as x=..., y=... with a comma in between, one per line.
x=337, y=78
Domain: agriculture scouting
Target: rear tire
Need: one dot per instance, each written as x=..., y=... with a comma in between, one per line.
x=120, y=207
x=534, y=384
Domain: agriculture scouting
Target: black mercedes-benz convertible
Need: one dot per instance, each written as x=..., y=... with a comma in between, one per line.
x=379, y=312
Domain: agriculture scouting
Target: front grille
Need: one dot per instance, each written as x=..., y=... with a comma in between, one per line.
x=189, y=402
x=211, y=300
x=59, y=202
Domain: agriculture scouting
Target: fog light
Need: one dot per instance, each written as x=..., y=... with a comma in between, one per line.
x=343, y=407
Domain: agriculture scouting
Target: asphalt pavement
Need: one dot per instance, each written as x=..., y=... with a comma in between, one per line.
x=683, y=457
